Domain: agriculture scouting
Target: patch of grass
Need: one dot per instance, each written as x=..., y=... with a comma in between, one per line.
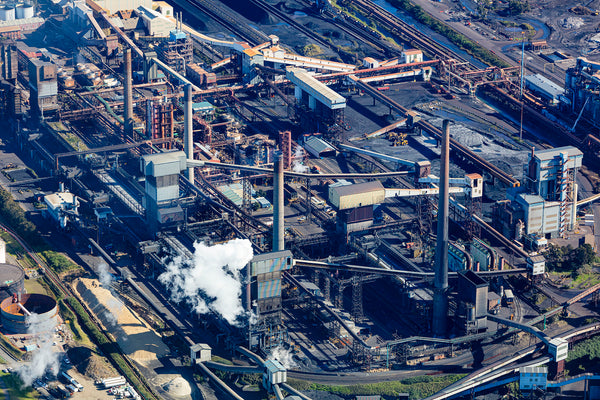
x=59, y=262
x=15, y=387
x=221, y=360
x=417, y=387
x=34, y=286
x=78, y=334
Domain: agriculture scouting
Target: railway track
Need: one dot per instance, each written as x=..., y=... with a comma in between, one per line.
x=411, y=34
x=268, y=8
x=222, y=15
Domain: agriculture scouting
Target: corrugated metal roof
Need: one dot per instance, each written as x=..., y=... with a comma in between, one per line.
x=309, y=84
x=544, y=84
x=533, y=370
x=317, y=145
x=271, y=256
x=552, y=153
x=357, y=188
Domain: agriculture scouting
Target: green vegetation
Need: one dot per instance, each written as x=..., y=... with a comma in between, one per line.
x=14, y=216
x=10, y=347
x=221, y=360
x=51, y=288
x=417, y=387
x=312, y=50
x=568, y=259
x=516, y=7
x=59, y=262
x=15, y=387
x=460, y=40
x=15, y=249
x=584, y=357
x=68, y=315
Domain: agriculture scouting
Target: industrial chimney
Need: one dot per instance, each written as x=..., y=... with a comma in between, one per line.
x=188, y=130
x=440, y=295
x=278, y=205
x=128, y=96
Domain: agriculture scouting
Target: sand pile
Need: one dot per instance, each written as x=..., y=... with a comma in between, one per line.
x=178, y=387
x=89, y=363
x=136, y=338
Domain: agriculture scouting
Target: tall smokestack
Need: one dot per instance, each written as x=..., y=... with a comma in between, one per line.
x=278, y=206
x=440, y=296
x=188, y=130
x=128, y=97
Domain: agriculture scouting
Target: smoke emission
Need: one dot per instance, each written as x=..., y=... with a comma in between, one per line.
x=211, y=280
x=44, y=359
x=284, y=356
x=297, y=165
x=114, y=305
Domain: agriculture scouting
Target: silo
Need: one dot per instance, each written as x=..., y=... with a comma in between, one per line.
x=24, y=11
x=7, y=13
x=12, y=280
x=31, y=313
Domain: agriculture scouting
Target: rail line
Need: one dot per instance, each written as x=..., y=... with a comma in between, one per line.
x=263, y=5
x=222, y=17
x=411, y=34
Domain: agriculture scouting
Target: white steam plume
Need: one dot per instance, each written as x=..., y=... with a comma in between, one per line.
x=297, y=165
x=44, y=358
x=211, y=280
x=104, y=276
x=114, y=305
x=284, y=356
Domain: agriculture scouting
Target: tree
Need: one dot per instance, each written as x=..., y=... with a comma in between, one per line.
x=583, y=255
x=516, y=7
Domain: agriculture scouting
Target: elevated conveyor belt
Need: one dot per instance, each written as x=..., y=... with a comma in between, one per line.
x=392, y=272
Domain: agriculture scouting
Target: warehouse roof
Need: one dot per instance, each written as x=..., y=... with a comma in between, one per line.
x=357, y=188
x=545, y=85
x=317, y=146
x=315, y=88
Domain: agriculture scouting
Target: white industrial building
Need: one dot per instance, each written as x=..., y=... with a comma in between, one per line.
x=61, y=206
x=156, y=23
x=112, y=6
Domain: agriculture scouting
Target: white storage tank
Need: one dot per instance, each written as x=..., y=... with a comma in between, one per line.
x=7, y=13
x=25, y=11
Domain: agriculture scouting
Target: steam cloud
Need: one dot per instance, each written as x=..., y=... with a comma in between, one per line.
x=114, y=305
x=297, y=165
x=210, y=281
x=284, y=356
x=44, y=358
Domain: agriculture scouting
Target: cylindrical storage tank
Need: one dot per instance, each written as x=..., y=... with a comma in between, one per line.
x=12, y=280
x=7, y=13
x=35, y=313
x=24, y=11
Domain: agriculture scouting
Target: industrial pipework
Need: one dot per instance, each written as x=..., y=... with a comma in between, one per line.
x=440, y=289
x=188, y=128
x=128, y=96
x=278, y=205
